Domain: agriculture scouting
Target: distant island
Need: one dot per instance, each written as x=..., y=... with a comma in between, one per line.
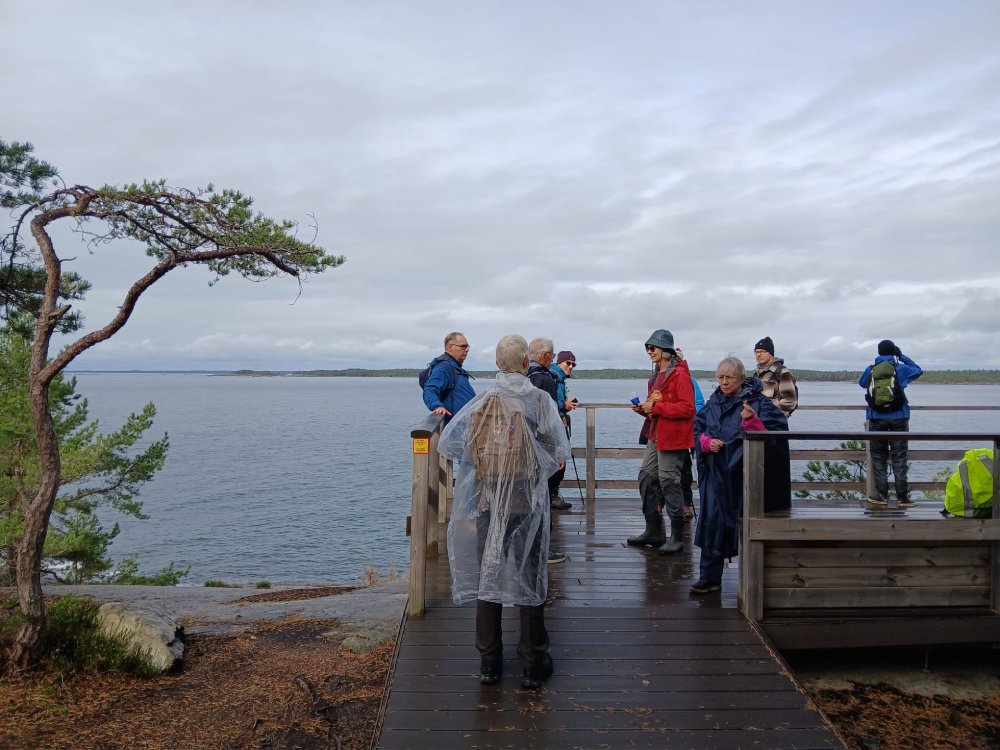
x=943, y=377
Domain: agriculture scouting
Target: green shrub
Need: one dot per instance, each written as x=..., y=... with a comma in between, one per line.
x=128, y=573
x=262, y=585
x=73, y=641
x=216, y=584
x=835, y=471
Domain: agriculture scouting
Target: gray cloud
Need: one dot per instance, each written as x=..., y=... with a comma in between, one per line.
x=824, y=174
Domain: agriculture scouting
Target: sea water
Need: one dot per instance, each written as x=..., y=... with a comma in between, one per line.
x=307, y=480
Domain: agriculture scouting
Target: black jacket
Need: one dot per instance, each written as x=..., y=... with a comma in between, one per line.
x=541, y=377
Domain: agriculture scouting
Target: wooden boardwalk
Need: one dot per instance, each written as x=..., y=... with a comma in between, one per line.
x=639, y=662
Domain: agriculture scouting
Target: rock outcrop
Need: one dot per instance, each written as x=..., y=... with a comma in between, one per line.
x=148, y=629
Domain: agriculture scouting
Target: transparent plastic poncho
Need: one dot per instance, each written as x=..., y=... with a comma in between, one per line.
x=508, y=441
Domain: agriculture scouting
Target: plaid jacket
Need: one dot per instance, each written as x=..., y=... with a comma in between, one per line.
x=779, y=385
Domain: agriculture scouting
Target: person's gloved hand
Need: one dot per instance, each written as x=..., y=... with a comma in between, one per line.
x=899, y=352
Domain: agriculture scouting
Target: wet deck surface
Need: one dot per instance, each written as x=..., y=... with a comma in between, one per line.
x=639, y=661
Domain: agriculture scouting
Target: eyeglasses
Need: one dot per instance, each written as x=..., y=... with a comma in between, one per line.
x=727, y=378
x=461, y=346
x=651, y=349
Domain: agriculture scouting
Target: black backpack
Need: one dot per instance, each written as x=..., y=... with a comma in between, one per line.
x=884, y=392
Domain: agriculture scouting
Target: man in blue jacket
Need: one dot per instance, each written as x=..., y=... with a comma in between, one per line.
x=895, y=418
x=447, y=388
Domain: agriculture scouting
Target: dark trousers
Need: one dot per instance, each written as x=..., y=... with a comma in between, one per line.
x=534, y=642
x=710, y=567
x=556, y=479
x=884, y=451
x=687, y=479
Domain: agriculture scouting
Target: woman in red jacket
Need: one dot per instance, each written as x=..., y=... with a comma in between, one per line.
x=668, y=434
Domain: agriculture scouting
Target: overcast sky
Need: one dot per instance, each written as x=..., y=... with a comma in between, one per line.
x=826, y=173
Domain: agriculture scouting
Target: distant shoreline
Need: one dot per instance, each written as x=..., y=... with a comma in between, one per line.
x=937, y=377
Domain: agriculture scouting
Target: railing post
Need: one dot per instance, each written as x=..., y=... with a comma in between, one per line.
x=869, y=474
x=426, y=465
x=418, y=531
x=752, y=553
x=591, y=458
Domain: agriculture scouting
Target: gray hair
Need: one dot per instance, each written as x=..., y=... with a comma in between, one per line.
x=731, y=365
x=450, y=338
x=511, y=351
x=540, y=346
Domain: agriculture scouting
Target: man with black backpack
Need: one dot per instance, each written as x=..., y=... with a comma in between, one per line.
x=884, y=382
x=444, y=381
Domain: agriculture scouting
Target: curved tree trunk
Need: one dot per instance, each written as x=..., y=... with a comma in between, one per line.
x=26, y=650
x=36, y=522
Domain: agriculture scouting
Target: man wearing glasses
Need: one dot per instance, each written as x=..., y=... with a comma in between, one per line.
x=541, y=353
x=447, y=388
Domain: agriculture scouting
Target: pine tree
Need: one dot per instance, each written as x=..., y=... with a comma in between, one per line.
x=178, y=227
x=98, y=470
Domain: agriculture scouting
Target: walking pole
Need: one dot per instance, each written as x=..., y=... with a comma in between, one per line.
x=573, y=459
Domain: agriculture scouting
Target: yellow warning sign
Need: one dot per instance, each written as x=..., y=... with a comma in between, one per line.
x=421, y=445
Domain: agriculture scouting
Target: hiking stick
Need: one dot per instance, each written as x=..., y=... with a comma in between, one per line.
x=573, y=459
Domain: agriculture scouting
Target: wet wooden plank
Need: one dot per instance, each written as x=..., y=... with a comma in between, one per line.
x=538, y=737
x=639, y=661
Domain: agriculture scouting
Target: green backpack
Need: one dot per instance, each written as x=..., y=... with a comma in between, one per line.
x=969, y=491
x=884, y=392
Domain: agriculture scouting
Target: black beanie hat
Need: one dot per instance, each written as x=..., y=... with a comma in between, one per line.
x=766, y=344
x=886, y=348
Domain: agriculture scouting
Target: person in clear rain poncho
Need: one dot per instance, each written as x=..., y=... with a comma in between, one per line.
x=509, y=440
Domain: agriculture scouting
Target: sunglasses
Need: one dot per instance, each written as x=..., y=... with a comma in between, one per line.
x=461, y=346
x=571, y=364
x=652, y=348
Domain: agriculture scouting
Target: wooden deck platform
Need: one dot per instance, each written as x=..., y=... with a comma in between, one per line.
x=639, y=662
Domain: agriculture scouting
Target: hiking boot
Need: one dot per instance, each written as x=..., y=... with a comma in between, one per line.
x=557, y=503
x=555, y=556
x=490, y=671
x=537, y=673
x=880, y=502
x=653, y=536
x=904, y=503
x=705, y=587
x=675, y=543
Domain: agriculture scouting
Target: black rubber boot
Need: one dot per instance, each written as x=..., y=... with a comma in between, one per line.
x=675, y=543
x=538, y=672
x=653, y=536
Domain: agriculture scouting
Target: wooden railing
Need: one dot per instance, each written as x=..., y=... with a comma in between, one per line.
x=834, y=577
x=431, y=488
x=591, y=452
x=432, y=476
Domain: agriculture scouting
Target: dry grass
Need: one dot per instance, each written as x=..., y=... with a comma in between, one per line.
x=882, y=717
x=287, y=686
x=284, y=686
